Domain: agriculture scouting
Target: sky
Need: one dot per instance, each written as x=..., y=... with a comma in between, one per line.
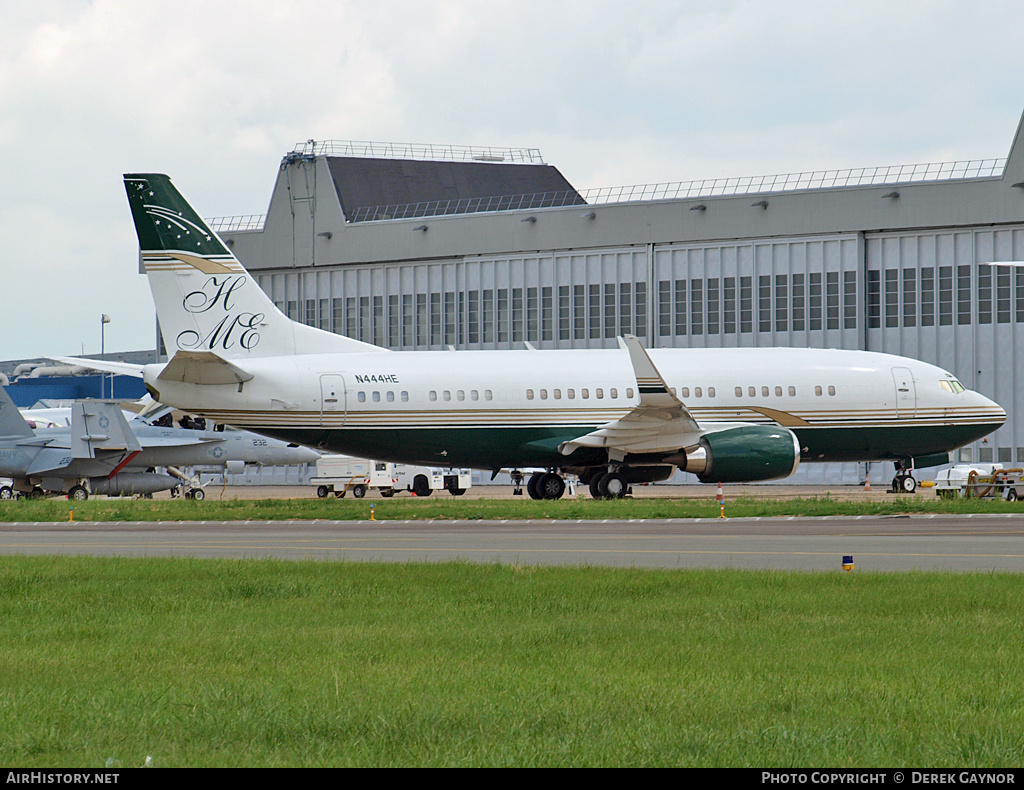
x=215, y=93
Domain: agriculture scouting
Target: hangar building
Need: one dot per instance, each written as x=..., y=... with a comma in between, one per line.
x=429, y=247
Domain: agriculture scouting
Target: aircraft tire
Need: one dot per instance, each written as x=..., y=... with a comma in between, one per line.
x=322, y=491
x=551, y=486
x=36, y=493
x=908, y=484
x=359, y=491
x=595, y=486
x=196, y=494
x=613, y=485
x=532, y=485
x=78, y=494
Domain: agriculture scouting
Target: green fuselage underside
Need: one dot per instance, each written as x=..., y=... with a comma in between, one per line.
x=513, y=447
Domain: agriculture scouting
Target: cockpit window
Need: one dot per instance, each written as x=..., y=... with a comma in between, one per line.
x=952, y=385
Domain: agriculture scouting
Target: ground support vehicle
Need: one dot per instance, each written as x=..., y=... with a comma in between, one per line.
x=980, y=481
x=340, y=474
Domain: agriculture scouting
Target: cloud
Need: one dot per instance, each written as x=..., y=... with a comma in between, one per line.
x=612, y=93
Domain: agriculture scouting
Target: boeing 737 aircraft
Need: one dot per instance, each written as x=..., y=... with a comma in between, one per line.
x=613, y=417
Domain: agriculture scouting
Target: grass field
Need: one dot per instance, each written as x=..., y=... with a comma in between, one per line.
x=581, y=507
x=270, y=663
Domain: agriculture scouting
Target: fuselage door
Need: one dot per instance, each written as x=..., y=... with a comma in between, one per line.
x=906, y=393
x=332, y=400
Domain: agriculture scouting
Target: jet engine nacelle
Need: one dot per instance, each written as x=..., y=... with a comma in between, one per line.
x=128, y=483
x=745, y=454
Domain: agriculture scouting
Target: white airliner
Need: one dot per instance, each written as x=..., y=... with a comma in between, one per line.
x=613, y=417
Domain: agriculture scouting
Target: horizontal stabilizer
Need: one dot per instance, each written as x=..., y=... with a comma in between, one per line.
x=203, y=367
x=120, y=368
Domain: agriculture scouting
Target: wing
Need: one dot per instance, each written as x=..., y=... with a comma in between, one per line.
x=659, y=423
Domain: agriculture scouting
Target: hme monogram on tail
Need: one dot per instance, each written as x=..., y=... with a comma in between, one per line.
x=613, y=417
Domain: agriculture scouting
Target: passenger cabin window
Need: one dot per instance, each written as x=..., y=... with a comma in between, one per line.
x=764, y=392
x=433, y=395
x=585, y=394
x=629, y=392
x=752, y=391
x=698, y=392
x=376, y=397
x=831, y=390
x=529, y=394
x=711, y=392
x=685, y=392
x=792, y=392
x=613, y=393
x=739, y=392
x=570, y=394
x=361, y=397
x=543, y=394
x=556, y=394
x=447, y=395
x=599, y=393
x=778, y=392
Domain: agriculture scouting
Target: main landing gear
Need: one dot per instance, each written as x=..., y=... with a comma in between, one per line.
x=545, y=485
x=904, y=482
x=608, y=485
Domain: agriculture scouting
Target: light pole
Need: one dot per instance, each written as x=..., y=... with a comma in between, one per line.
x=104, y=320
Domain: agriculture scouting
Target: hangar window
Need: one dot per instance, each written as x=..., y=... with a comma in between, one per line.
x=945, y=296
x=594, y=311
x=729, y=305
x=680, y=305
x=1019, y=288
x=665, y=308
x=874, y=300
x=832, y=299
x=849, y=300
x=713, y=305
x=799, y=303
x=814, y=301
x=697, y=307
x=910, y=297
x=928, y=296
x=963, y=295
x=764, y=303
x=746, y=304
x=984, y=294
x=1003, y=289
x=781, y=302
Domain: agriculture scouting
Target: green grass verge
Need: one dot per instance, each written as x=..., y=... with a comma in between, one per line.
x=272, y=663
x=447, y=507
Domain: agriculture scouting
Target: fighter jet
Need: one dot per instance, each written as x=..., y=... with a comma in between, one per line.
x=101, y=452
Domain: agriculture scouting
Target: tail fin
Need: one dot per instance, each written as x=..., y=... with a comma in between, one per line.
x=12, y=424
x=205, y=299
